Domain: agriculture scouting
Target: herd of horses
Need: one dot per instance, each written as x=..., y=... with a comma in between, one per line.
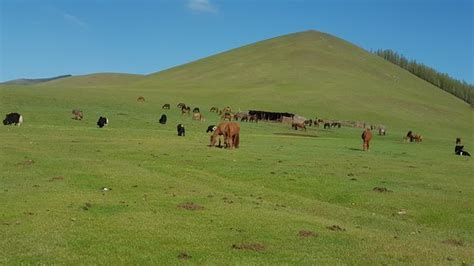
x=229, y=131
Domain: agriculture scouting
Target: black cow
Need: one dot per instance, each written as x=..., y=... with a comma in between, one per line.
x=166, y=106
x=103, y=121
x=163, y=119
x=211, y=128
x=327, y=125
x=196, y=110
x=181, y=130
x=13, y=118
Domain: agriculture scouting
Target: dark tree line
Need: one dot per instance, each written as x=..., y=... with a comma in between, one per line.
x=460, y=89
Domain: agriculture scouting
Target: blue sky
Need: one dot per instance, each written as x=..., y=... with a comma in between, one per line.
x=43, y=38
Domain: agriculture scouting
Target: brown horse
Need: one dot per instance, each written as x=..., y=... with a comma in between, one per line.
x=227, y=116
x=141, y=99
x=413, y=137
x=218, y=132
x=232, y=135
x=198, y=117
x=78, y=115
x=366, y=137
x=296, y=125
x=185, y=110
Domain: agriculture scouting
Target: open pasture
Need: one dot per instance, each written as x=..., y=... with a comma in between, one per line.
x=283, y=197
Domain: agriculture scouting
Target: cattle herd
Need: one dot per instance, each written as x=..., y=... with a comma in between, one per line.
x=227, y=133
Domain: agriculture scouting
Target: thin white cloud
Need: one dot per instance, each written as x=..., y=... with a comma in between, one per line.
x=203, y=6
x=74, y=20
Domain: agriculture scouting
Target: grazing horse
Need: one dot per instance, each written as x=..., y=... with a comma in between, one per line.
x=227, y=110
x=232, y=135
x=366, y=137
x=185, y=110
x=141, y=99
x=78, y=115
x=218, y=131
x=227, y=116
x=413, y=137
x=296, y=125
x=196, y=110
x=198, y=117
x=166, y=106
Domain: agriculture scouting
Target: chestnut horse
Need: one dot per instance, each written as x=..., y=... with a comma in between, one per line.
x=232, y=135
x=366, y=137
x=298, y=125
x=218, y=131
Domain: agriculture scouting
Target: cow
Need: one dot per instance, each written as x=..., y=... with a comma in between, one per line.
x=163, y=119
x=382, y=131
x=181, y=130
x=13, y=118
x=196, y=110
x=102, y=122
x=214, y=109
x=211, y=129
x=78, y=115
x=327, y=125
x=253, y=118
x=181, y=105
x=166, y=106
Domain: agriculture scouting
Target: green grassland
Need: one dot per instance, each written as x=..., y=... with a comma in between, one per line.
x=279, y=181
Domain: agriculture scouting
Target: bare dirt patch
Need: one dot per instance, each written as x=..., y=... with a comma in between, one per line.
x=184, y=256
x=190, y=206
x=249, y=246
x=306, y=234
x=381, y=189
x=454, y=242
x=26, y=163
x=336, y=228
x=56, y=178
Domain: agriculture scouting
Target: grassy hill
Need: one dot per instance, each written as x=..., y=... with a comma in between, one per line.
x=283, y=197
x=32, y=81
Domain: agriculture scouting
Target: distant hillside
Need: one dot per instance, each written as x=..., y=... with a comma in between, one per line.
x=312, y=74
x=34, y=81
x=309, y=73
x=94, y=80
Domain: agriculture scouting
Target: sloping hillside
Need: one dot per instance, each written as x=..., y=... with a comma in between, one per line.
x=310, y=73
x=33, y=81
x=313, y=74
